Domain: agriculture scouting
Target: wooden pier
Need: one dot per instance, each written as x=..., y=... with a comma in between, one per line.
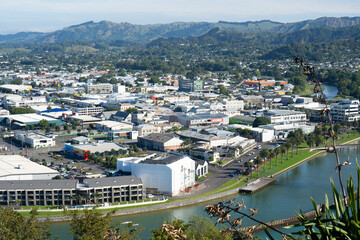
x=256, y=185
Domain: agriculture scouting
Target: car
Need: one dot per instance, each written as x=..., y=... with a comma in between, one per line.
x=150, y=196
x=231, y=174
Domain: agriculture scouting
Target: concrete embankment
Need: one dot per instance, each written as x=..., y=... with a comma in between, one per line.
x=257, y=185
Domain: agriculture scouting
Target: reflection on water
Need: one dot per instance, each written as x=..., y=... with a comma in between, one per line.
x=291, y=191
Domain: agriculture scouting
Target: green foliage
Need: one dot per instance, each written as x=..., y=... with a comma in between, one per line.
x=17, y=81
x=198, y=228
x=14, y=226
x=93, y=225
x=20, y=110
x=261, y=121
x=131, y=110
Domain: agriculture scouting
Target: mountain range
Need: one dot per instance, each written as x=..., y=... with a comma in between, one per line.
x=106, y=30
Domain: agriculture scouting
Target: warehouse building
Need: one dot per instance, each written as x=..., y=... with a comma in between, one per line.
x=174, y=173
x=15, y=167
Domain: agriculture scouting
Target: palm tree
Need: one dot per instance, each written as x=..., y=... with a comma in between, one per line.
x=277, y=152
x=251, y=164
x=258, y=161
x=292, y=142
x=282, y=150
x=264, y=154
x=287, y=146
x=271, y=156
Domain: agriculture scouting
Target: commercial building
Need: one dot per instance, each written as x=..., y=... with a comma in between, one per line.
x=23, y=120
x=84, y=150
x=90, y=111
x=160, y=141
x=203, y=120
x=285, y=116
x=347, y=110
x=71, y=192
x=174, y=173
x=13, y=88
x=10, y=101
x=15, y=167
x=282, y=130
x=34, y=140
x=191, y=85
x=145, y=129
x=102, y=88
x=106, y=126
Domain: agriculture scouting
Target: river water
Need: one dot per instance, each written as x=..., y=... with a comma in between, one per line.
x=329, y=90
x=291, y=191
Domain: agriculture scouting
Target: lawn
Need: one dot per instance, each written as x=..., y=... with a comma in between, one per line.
x=302, y=154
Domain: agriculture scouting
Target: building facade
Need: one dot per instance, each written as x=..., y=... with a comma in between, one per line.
x=347, y=110
x=71, y=192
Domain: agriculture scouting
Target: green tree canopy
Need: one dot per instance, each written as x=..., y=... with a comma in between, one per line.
x=261, y=121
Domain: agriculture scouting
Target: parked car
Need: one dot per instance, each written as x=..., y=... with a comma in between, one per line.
x=150, y=196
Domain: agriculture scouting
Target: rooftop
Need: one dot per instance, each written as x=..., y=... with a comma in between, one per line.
x=18, y=165
x=111, y=181
x=38, y=184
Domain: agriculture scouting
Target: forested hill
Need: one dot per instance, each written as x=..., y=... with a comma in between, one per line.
x=108, y=31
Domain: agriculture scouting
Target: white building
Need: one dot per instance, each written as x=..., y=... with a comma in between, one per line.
x=282, y=130
x=35, y=140
x=261, y=134
x=347, y=110
x=233, y=104
x=102, y=88
x=106, y=126
x=169, y=174
x=19, y=101
x=15, y=167
x=285, y=116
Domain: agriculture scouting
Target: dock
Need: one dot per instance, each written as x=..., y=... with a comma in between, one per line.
x=256, y=185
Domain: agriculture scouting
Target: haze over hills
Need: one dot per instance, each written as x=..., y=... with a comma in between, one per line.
x=106, y=30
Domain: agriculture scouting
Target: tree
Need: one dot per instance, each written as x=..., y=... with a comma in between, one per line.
x=271, y=156
x=132, y=110
x=223, y=90
x=17, y=81
x=277, y=152
x=93, y=225
x=261, y=121
x=264, y=154
x=282, y=150
x=15, y=226
x=49, y=108
x=287, y=146
x=197, y=229
x=43, y=124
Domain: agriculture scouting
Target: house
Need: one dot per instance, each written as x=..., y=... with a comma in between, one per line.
x=201, y=168
x=122, y=117
x=162, y=142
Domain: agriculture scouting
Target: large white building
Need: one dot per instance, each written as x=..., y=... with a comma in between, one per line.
x=347, y=110
x=35, y=140
x=285, y=116
x=167, y=174
x=15, y=167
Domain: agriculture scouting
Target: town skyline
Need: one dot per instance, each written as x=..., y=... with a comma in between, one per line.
x=46, y=15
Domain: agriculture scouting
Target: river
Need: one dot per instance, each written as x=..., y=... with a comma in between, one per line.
x=291, y=191
x=329, y=91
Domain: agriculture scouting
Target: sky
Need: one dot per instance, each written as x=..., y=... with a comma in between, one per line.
x=50, y=15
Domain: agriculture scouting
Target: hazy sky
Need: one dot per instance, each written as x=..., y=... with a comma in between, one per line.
x=49, y=15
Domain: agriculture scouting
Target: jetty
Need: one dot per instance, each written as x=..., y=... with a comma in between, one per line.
x=257, y=185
